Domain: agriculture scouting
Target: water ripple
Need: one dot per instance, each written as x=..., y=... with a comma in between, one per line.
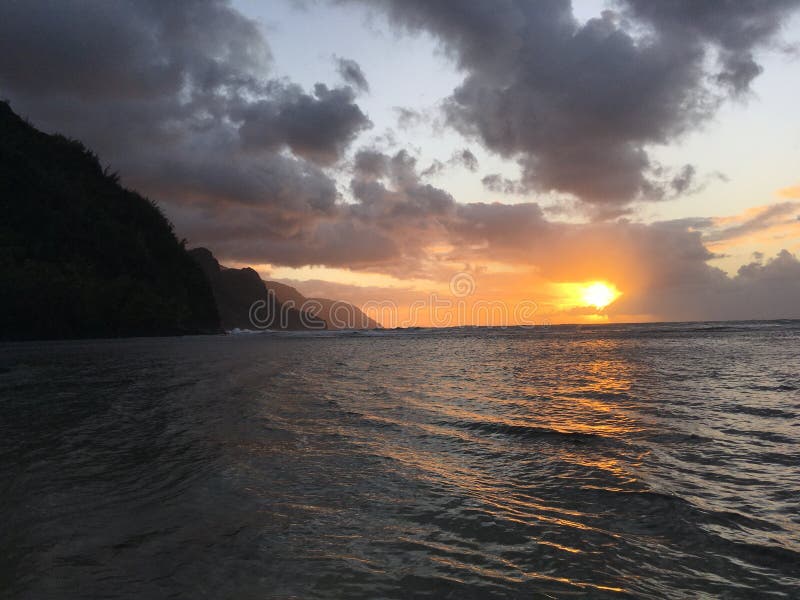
x=599, y=462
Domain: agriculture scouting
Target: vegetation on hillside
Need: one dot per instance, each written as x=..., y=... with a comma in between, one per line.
x=80, y=256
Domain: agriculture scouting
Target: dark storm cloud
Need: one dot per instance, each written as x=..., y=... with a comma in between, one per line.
x=393, y=193
x=318, y=128
x=370, y=164
x=503, y=231
x=351, y=72
x=736, y=28
x=281, y=182
x=126, y=50
x=377, y=202
x=394, y=216
x=177, y=97
x=579, y=105
x=258, y=234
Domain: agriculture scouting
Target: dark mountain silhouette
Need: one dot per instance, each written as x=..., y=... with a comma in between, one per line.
x=336, y=313
x=280, y=306
x=81, y=256
x=342, y=315
x=285, y=294
x=243, y=300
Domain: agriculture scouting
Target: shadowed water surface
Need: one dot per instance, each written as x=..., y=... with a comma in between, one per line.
x=618, y=461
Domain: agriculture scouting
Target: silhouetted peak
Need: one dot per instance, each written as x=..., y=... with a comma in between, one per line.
x=6, y=112
x=206, y=260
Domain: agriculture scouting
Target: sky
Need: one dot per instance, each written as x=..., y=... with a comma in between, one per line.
x=451, y=162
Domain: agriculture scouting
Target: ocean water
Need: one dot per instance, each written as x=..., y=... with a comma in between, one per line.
x=648, y=461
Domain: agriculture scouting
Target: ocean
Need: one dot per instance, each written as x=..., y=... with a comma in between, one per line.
x=617, y=461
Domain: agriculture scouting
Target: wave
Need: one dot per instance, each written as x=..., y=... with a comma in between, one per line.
x=761, y=411
x=238, y=331
x=528, y=431
x=783, y=387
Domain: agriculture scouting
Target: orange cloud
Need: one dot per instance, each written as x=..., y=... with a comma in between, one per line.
x=769, y=227
x=791, y=192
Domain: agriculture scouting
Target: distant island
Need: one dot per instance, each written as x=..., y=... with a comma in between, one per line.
x=83, y=257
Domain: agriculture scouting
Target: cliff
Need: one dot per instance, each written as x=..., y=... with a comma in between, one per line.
x=81, y=256
x=243, y=300
x=280, y=306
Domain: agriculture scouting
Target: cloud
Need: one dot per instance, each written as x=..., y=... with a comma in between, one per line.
x=580, y=104
x=734, y=28
x=179, y=98
x=631, y=255
x=394, y=216
x=318, y=128
x=122, y=51
x=682, y=182
x=401, y=197
x=351, y=72
x=407, y=117
x=783, y=266
x=370, y=164
x=791, y=192
x=768, y=227
x=758, y=291
x=494, y=182
x=754, y=220
x=199, y=178
x=467, y=159
x=460, y=158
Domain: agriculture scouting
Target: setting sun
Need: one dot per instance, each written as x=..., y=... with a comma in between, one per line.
x=599, y=294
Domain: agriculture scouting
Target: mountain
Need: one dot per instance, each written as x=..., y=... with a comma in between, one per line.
x=342, y=315
x=280, y=306
x=336, y=313
x=81, y=256
x=286, y=294
x=244, y=302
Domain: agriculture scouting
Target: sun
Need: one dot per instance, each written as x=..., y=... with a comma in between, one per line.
x=599, y=294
